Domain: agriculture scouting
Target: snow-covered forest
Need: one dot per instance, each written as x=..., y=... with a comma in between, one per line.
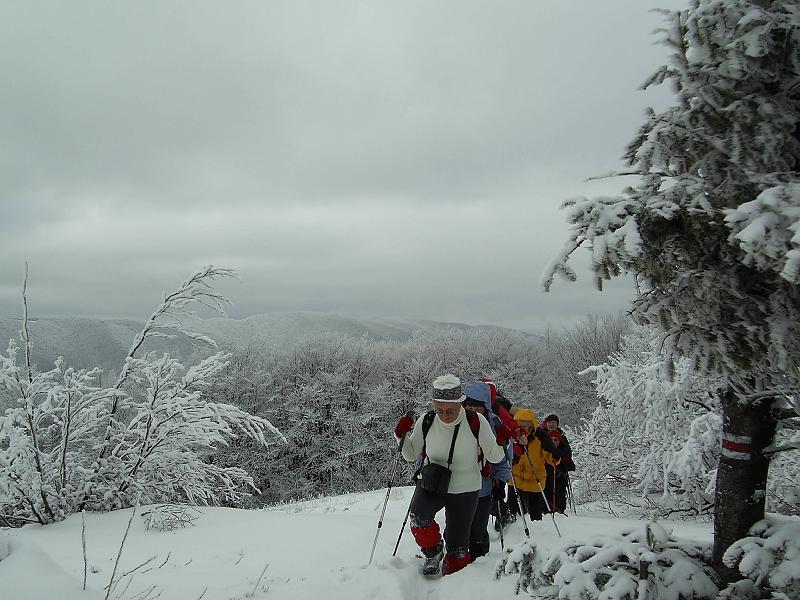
x=335, y=397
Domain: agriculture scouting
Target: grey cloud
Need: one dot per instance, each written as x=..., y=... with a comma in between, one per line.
x=349, y=156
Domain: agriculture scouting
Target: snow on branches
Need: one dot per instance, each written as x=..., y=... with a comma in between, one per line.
x=661, y=438
x=769, y=558
x=768, y=230
x=712, y=229
x=649, y=433
x=714, y=209
x=642, y=564
x=67, y=443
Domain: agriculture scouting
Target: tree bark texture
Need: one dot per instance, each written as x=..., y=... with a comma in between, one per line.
x=747, y=429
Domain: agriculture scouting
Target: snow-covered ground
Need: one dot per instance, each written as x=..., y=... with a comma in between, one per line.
x=314, y=549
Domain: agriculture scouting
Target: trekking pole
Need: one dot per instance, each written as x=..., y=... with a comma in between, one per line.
x=519, y=506
x=569, y=491
x=408, y=512
x=392, y=473
x=541, y=491
x=499, y=520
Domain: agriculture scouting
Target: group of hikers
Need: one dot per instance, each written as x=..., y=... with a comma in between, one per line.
x=467, y=449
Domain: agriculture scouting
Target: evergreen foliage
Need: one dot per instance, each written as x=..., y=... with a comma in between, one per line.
x=710, y=230
x=768, y=558
x=643, y=563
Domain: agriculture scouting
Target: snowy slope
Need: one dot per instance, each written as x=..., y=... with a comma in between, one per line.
x=315, y=549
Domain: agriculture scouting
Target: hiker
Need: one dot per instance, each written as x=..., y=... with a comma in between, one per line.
x=529, y=474
x=503, y=410
x=557, y=468
x=449, y=443
x=479, y=400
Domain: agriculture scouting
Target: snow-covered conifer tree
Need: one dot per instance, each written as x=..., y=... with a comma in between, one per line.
x=712, y=229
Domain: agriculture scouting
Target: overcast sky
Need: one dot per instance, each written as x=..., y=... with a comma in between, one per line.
x=366, y=158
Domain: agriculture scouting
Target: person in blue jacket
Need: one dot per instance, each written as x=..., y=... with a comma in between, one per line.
x=479, y=399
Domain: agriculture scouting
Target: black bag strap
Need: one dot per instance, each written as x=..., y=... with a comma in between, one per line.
x=452, y=445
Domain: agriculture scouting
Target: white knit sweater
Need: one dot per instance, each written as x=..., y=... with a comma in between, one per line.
x=466, y=469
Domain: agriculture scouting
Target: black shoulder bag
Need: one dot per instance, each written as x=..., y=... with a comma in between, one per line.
x=436, y=478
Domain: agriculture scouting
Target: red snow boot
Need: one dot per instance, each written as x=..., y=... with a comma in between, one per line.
x=455, y=561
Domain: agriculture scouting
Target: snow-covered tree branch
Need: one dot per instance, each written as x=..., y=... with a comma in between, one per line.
x=68, y=443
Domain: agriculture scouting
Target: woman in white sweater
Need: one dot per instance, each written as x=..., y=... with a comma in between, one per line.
x=446, y=437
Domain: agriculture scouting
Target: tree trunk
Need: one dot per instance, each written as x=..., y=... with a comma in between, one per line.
x=742, y=474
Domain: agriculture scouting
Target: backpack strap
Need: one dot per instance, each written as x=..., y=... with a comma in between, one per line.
x=474, y=423
x=475, y=426
x=427, y=421
x=452, y=445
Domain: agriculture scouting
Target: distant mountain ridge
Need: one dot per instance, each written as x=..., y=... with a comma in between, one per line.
x=88, y=343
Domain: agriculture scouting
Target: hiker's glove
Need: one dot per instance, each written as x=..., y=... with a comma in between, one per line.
x=404, y=425
x=503, y=435
x=520, y=437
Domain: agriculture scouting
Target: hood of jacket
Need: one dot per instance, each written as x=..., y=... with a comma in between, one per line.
x=526, y=414
x=479, y=390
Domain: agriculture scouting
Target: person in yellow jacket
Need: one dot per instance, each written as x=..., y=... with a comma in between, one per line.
x=529, y=469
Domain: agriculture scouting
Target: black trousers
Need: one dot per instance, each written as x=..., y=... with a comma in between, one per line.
x=556, y=489
x=479, y=534
x=531, y=502
x=459, y=510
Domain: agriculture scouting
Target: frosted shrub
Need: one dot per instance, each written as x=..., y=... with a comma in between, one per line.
x=769, y=558
x=642, y=564
x=650, y=434
x=519, y=560
x=783, y=485
x=169, y=517
x=68, y=444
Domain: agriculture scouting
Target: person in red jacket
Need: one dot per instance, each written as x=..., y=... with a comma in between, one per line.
x=517, y=431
